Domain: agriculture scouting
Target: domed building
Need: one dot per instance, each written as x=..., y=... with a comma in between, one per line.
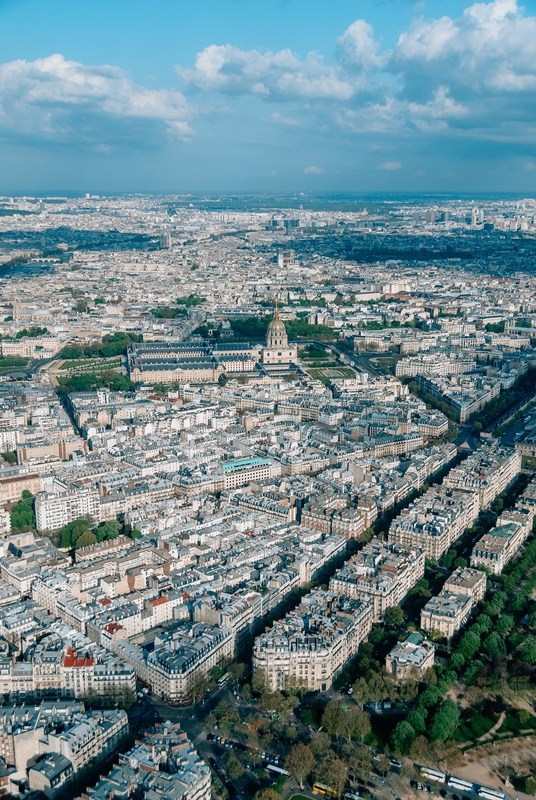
x=277, y=350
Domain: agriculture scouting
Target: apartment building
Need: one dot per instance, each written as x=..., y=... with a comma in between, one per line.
x=311, y=645
x=467, y=581
x=178, y=657
x=450, y=610
x=162, y=764
x=487, y=471
x=383, y=572
x=238, y=612
x=87, y=737
x=53, y=510
x=498, y=546
x=410, y=659
x=435, y=520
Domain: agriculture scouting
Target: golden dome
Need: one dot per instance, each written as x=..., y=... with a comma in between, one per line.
x=276, y=324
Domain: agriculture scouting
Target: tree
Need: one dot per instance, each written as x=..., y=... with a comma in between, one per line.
x=360, y=726
x=108, y=530
x=9, y=456
x=81, y=306
x=417, y=720
x=359, y=759
x=267, y=794
x=22, y=514
x=527, y=650
x=523, y=715
x=445, y=721
x=457, y=661
x=530, y=785
x=86, y=538
x=294, y=686
x=383, y=764
x=197, y=686
x=233, y=766
x=409, y=690
x=469, y=644
x=258, y=681
x=300, y=762
x=494, y=646
x=271, y=701
x=472, y=671
x=430, y=697
x=236, y=671
x=532, y=619
x=226, y=714
x=333, y=718
x=403, y=737
x=485, y=622
x=320, y=744
x=394, y=616
x=333, y=773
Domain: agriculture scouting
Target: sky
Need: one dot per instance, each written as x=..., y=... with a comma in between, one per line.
x=267, y=96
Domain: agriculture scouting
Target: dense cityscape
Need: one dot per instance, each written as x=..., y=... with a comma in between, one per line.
x=267, y=496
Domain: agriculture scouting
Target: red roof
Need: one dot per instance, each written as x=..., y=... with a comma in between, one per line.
x=72, y=659
x=159, y=600
x=113, y=627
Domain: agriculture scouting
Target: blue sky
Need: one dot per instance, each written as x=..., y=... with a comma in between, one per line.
x=267, y=95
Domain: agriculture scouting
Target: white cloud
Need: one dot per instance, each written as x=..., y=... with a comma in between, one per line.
x=470, y=76
x=228, y=69
x=359, y=48
x=490, y=49
x=59, y=100
x=474, y=75
x=312, y=170
x=390, y=166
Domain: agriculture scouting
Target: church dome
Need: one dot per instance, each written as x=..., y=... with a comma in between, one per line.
x=276, y=325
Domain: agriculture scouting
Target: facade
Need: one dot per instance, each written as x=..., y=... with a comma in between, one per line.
x=435, y=521
x=178, y=658
x=446, y=613
x=488, y=471
x=382, y=572
x=88, y=737
x=53, y=510
x=495, y=549
x=410, y=659
x=450, y=610
x=50, y=773
x=162, y=764
x=311, y=645
x=471, y=582
x=277, y=350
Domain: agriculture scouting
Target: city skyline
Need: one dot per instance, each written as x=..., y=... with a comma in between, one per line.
x=231, y=96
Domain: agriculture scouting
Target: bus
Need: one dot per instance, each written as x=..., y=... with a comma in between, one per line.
x=327, y=791
x=459, y=783
x=277, y=770
x=491, y=794
x=223, y=680
x=433, y=774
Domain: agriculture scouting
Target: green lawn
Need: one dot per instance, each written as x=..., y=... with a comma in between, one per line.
x=513, y=723
x=474, y=726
